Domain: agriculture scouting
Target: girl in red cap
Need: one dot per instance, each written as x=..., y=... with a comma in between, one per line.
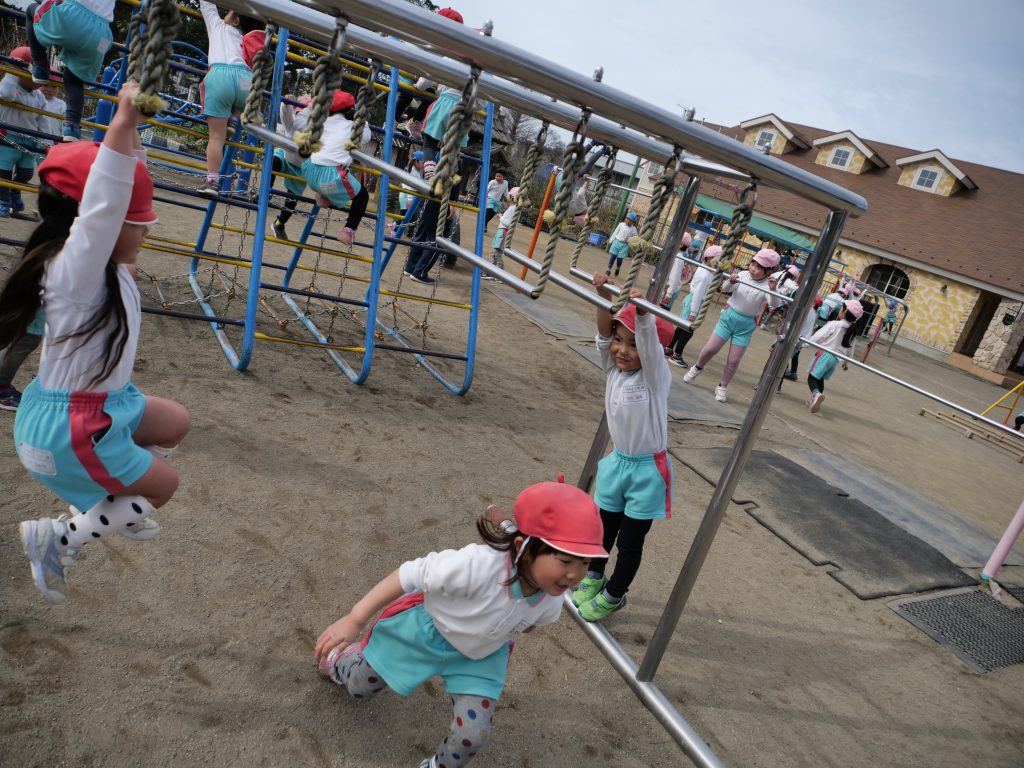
x=18, y=151
x=738, y=320
x=840, y=336
x=455, y=613
x=634, y=481
x=326, y=171
x=83, y=429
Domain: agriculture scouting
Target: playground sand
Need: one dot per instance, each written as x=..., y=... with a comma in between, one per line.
x=300, y=490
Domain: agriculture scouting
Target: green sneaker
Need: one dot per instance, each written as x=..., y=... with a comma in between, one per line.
x=599, y=608
x=587, y=590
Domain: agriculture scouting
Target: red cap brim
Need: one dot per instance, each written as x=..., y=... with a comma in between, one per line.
x=577, y=548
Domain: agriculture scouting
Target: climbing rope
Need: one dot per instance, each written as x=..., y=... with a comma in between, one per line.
x=533, y=158
x=642, y=245
x=151, y=49
x=604, y=181
x=737, y=231
x=364, y=97
x=459, y=123
x=326, y=80
x=572, y=159
x=262, y=79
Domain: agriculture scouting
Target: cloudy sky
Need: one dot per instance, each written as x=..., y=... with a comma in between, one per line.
x=924, y=74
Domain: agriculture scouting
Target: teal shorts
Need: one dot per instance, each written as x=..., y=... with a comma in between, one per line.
x=735, y=328
x=79, y=444
x=639, y=486
x=332, y=181
x=38, y=325
x=494, y=205
x=84, y=38
x=438, y=114
x=406, y=649
x=684, y=311
x=12, y=157
x=823, y=365
x=619, y=249
x=295, y=186
x=224, y=89
x=499, y=238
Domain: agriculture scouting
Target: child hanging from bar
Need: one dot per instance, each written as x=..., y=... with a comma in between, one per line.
x=83, y=429
x=226, y=85
x=682, y=271
x=326, y=171
x=18, y=151
x=836, y=336
x=634, y=481
x=699, y=284
x=81, y=29
x=456, y=613
x=501, y=236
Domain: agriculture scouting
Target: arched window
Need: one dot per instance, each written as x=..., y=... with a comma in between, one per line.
x=888, y=279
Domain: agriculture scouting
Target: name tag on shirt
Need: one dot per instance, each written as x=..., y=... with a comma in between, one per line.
x=635, y=393
x=37, y=460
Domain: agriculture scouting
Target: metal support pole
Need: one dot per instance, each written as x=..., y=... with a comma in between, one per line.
x=625, y=195
x=741, y=448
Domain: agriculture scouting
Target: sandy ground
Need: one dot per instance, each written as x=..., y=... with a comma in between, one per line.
x=300, y=490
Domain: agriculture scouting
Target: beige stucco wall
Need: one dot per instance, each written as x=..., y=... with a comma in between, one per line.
x=857, y=158
x=780, y=145
x=945, y=185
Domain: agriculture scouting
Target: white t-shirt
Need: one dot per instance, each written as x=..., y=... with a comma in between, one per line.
x=497, y=190
x=102, y=8
x=464, y=594
x=225, y=41
x=624, y=231
x=51, y=124
x=11, y=90
x=336, y=135
x=74, y=286
x=745, y=298
x=830, y=336
x=698, y=288
x=637, y=401
x=506, y=217
x=293, y=122
x=786, y=286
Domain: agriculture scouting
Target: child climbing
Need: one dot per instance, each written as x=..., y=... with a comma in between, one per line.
x=634, y=481
x=699, y=284
x=837, y=335
x=737, y=322
x=81, y=29
x=18, y=151
x=293, y=120
x=497, y=257
x=54, y=104
x=226, y=85
x=416, y=163
x=681, y=273
x=326, y=171
x=456, y=613
x=83, y=429
x=619, y=242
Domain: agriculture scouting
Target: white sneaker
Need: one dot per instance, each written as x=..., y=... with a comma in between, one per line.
x=816, y=401
x=49, y=558
x=692, y=374
x=720, y=392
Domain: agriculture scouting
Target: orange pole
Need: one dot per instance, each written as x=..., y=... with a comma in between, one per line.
x=540, y=220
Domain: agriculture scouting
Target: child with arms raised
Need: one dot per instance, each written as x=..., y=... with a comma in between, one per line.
x=456, y=613
x=634, y=481
x=83, y=429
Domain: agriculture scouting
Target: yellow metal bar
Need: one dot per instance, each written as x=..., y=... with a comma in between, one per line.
x=18, y=186
x=270, y=239
x=317, y=344
x=1015, y=393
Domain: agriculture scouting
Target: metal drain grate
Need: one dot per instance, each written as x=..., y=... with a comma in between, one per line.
x=1017, y=592
x=975, y=626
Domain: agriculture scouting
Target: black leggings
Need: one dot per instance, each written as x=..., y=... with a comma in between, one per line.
x=74, y=88
x=815, y=384
x=289, y=203
x=679, y=341
x=627, y=534
x=1017, y=422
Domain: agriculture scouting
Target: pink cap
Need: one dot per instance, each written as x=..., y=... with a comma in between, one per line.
x=793, y=270
x=767, y=258
x=66, y=168
x=22, y=53
x=563, y=517
x=713, y=252
x=627, y=316
x=513, y=193
x=844, y=291
x=687, y=240
x=854, y=307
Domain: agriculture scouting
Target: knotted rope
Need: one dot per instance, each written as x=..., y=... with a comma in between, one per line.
x=604, y=181
x=326, y=80
x=262, y=79
x=459, y=122
x=529, y=170
x=149, y=59
x=364, y=97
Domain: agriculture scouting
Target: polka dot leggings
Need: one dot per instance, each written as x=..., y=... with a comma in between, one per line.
x=471, y=718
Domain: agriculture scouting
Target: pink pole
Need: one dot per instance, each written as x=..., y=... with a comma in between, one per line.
x=874, y=336
x=1003, y=548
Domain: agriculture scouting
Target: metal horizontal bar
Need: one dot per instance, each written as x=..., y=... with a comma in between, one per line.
x=393, y=171
x=424, y=352
x=560, y=280
x=644, y=304
x=263, y=133
x=531, y=71
x=485, y=266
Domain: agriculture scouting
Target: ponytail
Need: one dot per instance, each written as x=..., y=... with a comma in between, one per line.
x=855, y=330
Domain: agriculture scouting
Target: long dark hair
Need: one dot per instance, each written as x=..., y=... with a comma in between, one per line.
x=855, y=329
x=21, y=296
x=504, y=541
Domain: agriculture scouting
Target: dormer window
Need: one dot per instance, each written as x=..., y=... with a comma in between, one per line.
x=765, y=139
x=840, y=157
x=926, y=178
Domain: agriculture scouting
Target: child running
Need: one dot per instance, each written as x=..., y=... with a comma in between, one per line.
x=619, y=247
x=225, y=86
x=737, y=322
x=838, y=335
x=634, y=481
x=456, y=613
x=497, y=255
x=18, y=151
x=699, y=284
x=326, y=171
x=81, y=29
x=83, y=429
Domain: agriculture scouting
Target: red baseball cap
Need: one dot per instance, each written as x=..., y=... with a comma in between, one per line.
x=627, y=316
x=450, y=13
x=66, y=168
x=563, y=517
x=22, y=53
x=342, y=100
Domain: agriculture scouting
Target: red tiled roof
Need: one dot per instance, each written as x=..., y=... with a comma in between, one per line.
x=971, y=233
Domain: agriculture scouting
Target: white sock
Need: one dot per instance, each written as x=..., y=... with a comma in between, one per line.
x=111, y=515
x=160, y=451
